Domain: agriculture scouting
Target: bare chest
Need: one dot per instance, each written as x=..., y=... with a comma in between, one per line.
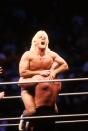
x=38, y=62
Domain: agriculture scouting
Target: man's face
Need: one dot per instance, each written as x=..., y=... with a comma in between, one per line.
x=42, y=41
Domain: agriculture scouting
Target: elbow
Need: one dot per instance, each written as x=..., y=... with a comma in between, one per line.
x=22, y=74
x=66, y=67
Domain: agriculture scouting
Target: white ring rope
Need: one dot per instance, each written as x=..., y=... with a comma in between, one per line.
x=44, y=117
x=4, y=125
x=61, y=94
x=56, y=122
x=42, y=81
x=71, y=121
x=75, y=93
x=11, y=97
x=52, y=116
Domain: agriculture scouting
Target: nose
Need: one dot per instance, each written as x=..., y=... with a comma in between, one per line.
x=43, y=37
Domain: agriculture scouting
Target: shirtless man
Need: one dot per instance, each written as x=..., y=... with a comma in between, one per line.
x=37, y=64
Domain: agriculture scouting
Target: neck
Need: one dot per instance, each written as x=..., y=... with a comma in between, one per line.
x=41, y=52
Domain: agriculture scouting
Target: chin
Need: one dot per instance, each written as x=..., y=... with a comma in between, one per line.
x=42, y=47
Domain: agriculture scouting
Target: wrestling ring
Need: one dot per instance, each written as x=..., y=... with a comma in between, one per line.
x=68, y=118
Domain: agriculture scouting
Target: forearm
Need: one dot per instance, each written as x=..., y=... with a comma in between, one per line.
x=29, y=73
x=61, y=68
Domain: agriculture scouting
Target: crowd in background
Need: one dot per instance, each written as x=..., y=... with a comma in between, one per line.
x=68, y=37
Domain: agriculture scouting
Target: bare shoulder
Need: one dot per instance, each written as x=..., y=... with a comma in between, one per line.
x=26, y=54
x=53, y=54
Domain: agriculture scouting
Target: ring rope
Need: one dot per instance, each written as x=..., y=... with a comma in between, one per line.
x=42, y=81
x=54, y=116
x=44, y=117
x=4, y=125
x=11, y=97
x=71, y=121
x=56, y=80
x=56, y=122
x=75, y=93
x=61, y=94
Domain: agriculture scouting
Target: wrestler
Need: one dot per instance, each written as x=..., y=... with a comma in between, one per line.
x=37, y=64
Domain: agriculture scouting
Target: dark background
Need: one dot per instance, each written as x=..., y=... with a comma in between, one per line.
x=66, y=22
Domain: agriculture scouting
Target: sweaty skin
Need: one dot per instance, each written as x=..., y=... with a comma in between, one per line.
x=46, y=94
x=37, y=64
x=35, y=72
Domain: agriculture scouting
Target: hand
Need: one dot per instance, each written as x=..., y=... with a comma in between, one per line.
x=52, y=75
x=2, y=94
x=45, y=73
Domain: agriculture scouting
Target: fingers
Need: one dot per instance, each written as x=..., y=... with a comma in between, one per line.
x=51, y=77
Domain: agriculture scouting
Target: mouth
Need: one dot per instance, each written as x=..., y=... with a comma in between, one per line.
x=42, y=43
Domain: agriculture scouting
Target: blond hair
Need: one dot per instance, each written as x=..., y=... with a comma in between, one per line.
x=34, y=39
